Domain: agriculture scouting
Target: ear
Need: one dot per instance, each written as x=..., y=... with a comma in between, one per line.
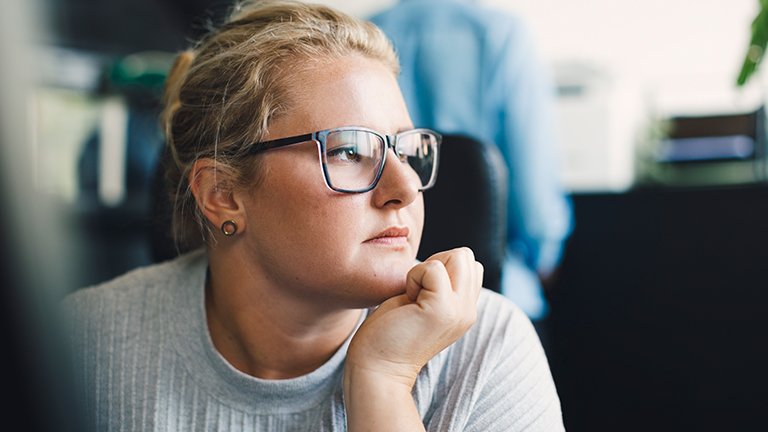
x=214, y=195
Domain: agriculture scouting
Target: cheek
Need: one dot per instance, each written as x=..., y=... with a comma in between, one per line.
x=309, y=220
x=334, y=223
x=417, y=213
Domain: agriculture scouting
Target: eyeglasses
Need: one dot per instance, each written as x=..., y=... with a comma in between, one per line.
x=353, y=158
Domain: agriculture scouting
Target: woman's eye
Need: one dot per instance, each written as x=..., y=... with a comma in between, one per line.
x=344, y=154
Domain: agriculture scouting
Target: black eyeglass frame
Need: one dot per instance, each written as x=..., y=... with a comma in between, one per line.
x=319, y=137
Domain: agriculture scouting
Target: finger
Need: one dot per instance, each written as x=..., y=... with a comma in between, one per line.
x=480, y=271
x=471, y=292
x=460, y=266
x=429, y=275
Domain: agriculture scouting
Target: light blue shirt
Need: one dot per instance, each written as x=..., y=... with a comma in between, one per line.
x=473, y=70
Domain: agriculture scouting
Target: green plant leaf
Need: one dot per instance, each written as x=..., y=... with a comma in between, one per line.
x=757, y=44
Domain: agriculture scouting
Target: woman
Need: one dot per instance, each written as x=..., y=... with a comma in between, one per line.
x=309, y=219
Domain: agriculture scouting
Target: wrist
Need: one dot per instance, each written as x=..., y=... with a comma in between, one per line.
x=370, y=398
x=366, y=363
x=383, y=380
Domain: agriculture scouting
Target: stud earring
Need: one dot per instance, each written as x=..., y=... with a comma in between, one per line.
x=229, y=228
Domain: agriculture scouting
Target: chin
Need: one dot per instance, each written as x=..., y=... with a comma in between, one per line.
x=371, y=280
x=373, y=288
x=387, y=284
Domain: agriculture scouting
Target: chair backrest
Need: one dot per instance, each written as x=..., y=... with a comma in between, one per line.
x=468, y=205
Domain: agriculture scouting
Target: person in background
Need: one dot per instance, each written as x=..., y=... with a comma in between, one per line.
x=469, y=69
x=295, y=168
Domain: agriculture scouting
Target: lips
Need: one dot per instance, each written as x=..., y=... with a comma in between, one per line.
x=392, y=236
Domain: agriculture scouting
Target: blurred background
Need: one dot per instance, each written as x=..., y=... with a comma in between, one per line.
x=657, y=317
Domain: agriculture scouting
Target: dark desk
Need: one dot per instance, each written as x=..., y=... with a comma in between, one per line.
x=660, y=312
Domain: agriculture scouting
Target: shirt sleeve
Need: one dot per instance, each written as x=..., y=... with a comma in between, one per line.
x=539, y=213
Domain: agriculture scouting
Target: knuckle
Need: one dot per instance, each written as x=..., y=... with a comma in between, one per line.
x=480, y=267
x=466, y=252
x=433, y=265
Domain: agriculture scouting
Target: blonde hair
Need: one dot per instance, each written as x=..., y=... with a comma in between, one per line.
x=222, y=94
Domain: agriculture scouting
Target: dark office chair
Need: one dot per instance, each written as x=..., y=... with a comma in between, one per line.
x=466, y=207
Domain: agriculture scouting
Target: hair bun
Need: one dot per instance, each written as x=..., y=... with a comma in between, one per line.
x=173, y=83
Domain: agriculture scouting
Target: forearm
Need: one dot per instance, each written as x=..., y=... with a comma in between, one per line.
x=376, y=402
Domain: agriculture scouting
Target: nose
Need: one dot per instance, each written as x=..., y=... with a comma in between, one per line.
x=399, y=184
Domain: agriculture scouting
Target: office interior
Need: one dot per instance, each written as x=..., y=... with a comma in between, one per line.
x=657, y=318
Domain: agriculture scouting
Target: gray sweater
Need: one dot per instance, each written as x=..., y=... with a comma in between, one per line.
x=145, y=361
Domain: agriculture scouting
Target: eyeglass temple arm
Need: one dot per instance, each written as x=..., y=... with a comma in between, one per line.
x=280, y=142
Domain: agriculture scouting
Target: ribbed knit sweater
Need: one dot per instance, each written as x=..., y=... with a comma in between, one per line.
x=145, y=362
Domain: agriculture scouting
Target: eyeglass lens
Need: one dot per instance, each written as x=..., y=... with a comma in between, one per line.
x=353, y=158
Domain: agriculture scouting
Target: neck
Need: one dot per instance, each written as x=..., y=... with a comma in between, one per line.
x=265, y=334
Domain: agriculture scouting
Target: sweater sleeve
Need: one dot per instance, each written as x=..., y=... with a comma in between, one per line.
x=496, y=378
x=516, y=390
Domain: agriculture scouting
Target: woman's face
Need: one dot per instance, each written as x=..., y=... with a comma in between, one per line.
x=349, y=250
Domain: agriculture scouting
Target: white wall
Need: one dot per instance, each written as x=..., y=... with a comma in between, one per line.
x=684, y=54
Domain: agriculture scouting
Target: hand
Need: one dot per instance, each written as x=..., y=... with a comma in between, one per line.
x=406, y=331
